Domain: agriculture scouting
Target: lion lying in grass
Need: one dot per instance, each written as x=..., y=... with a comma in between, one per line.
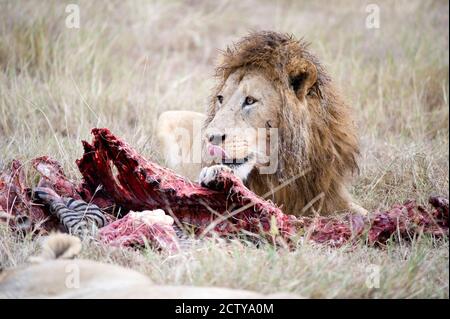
x=270, y=82
x=54, y=274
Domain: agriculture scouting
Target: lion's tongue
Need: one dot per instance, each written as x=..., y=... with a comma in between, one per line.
x=216, y=151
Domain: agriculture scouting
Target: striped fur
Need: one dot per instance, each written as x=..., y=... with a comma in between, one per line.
x=78, y=217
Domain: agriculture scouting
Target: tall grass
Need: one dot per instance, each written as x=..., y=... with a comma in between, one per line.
x=131, y=60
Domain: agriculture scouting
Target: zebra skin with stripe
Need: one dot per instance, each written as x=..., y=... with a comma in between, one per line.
x=78, y=217
x=83, y=219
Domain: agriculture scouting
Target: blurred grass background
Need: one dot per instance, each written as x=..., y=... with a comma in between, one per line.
x=131, y=60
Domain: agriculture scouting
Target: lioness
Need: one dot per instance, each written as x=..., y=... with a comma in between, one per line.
x=54, y=274
x=269, y=82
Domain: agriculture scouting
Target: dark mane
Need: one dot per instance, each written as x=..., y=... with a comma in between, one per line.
x=271, y=52
x=316, y=131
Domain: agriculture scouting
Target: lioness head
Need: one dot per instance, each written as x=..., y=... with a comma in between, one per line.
x=270, y=83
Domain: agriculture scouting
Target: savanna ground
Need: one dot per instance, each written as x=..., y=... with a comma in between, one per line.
x=131, y=60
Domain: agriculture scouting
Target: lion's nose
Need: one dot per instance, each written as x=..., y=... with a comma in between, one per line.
x=216, y=138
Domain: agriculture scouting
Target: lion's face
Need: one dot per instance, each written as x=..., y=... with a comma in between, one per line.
x=245, y=108
x=271, y=82
x=248, y=112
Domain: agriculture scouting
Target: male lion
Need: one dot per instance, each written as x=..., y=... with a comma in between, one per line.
x=270, y=81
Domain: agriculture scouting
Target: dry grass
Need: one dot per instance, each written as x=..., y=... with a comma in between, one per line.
x=131, y=60
x=417, y=270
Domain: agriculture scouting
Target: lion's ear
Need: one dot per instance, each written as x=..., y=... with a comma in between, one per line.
x=302, y=76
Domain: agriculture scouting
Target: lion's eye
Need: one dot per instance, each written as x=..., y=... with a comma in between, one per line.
x=220, y=98
x=249, y=100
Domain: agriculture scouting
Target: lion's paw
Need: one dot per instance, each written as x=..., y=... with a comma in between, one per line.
x=211, y=176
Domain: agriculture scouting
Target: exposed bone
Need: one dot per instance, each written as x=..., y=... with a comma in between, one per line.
x=141, y=185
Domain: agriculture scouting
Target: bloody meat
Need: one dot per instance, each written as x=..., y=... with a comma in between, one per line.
x=119, y=180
